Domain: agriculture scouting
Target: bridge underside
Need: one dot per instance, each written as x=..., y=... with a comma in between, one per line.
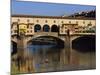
x=47, y=40
x=84, y=43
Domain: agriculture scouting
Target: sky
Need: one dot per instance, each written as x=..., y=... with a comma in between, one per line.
x=47, y=9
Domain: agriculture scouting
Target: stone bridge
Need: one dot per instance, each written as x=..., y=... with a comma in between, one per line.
x=71, y=37
x=76, y=35
x=39, y=34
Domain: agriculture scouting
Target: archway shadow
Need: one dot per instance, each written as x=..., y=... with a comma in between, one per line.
x=84, y=44
x=47, y=40
x=13, y=47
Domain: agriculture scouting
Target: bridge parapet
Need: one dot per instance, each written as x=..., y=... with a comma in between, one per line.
x=46, y=34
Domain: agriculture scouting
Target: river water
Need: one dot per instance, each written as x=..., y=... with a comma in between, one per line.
x=50, y=58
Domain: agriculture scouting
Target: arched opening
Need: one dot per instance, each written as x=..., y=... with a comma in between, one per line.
x=54, y=28
x=46, y=28
x=46, y=49
x=37, y=28
x=13, y=47
x=46, y=40
x=84, y=44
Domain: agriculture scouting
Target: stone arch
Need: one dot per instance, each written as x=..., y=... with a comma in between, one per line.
x=60, y=42
x=37, y=28
x=84, y=43
x=46, y=28
x=46, y=51
x=54, y=28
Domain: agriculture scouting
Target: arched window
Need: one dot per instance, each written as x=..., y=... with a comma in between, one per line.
x=54, y=28
x=46, y=28
x=37, y=28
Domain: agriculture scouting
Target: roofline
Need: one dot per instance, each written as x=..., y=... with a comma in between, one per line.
x=51, y=17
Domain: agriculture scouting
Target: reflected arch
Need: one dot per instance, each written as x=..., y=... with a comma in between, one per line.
x=84, y=44
x=37, y=28
x=54, y=28
x=46, y=28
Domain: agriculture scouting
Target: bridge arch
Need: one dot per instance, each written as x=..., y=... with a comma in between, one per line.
x=13, y=47
x=54, y=28
x=84, y=43
x=46, y=28
x=37, y=28
x=59, y=42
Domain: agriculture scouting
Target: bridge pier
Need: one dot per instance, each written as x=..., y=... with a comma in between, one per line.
x=68, y=56
x=24, y=59
x=65, y=53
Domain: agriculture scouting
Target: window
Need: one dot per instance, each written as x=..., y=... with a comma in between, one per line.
x=54, y=21
x=89, y=24
x=76, y=22
x=69, y=21
x=83, y=22
x=28, y=20
x=18, y=20
x=46, y=28
x=62, y=22
x=31, y=31
x=15, y=31
x=37, y=20
x=54, y=28
x=37, y=28
x=65, y=27
x=30, y=27
x=46, y=21
x=27, y=31
x=27, y=26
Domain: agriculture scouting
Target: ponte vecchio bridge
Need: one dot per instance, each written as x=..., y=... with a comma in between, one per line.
x=36, y=26
x=64, y=30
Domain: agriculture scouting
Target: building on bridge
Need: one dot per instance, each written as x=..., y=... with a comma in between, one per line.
x=59, y=24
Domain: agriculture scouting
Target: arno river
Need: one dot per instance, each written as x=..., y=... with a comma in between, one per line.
x=47, y=55
x=50, y=58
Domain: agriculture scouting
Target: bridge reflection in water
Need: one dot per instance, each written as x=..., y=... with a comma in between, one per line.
x=49, y=55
